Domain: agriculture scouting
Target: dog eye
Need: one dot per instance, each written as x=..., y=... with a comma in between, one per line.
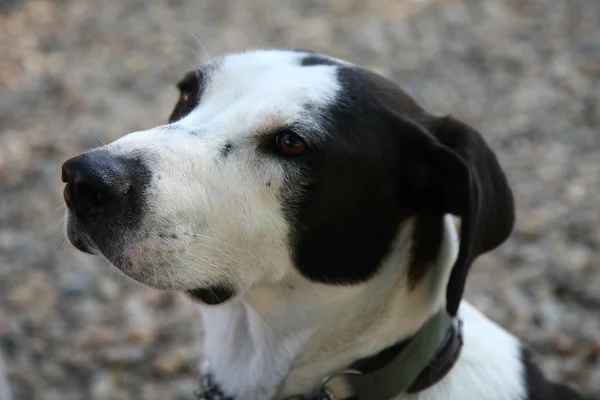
x=186, y=96
x=290, y=143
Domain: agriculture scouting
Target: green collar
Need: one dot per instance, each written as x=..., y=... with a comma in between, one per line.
x=423, y=361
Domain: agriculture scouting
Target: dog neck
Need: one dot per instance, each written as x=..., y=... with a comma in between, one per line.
x=283, y=339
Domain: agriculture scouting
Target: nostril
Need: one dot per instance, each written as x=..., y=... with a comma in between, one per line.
x=94, y=200
x=71, y=169
x=65, y=175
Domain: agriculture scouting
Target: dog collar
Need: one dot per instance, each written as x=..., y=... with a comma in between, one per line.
x=410, y=366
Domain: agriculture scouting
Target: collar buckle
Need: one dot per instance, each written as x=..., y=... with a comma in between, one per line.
x=209, y=390
x=325, y=392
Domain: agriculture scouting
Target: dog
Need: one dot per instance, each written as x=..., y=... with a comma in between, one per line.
x=307, y=204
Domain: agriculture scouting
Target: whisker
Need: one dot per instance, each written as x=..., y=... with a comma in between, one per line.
x=168, y=273
x=222, y=254
x=59, y=235
x=203, y=260
x=61, y=207
x=215, y=239
x=60, y=243
x=100, y=139
x=206, y=54
x=229, y=245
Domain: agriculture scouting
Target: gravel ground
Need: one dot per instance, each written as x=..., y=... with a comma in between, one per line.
x=74, y=73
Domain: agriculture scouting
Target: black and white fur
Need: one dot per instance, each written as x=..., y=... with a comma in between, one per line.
x=313, y=261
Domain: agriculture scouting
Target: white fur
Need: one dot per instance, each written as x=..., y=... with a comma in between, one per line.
x=228, y=222
x=287, y=341
x=282, y=333
x=489, y=367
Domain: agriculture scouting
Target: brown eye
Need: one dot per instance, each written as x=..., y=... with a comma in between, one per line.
x=186, y=97
x=290, y=143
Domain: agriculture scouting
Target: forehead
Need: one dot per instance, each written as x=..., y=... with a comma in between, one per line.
x=265, y=89
x=298, y=75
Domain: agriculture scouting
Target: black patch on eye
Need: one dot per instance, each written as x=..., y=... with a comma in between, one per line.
x=194, y=82
x=316, y=59
x=226, y=150
x=357, y=187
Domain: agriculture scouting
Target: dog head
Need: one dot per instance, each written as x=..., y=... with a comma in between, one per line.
x=279, y=161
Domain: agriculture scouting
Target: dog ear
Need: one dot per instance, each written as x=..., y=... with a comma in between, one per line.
x=466, y=180
x=483, y=200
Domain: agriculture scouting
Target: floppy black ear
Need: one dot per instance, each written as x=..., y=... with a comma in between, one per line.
x=470, y=184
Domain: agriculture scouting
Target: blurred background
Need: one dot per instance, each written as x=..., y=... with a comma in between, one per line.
x=76, y=73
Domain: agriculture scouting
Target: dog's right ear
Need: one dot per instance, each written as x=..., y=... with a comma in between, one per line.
x=482, y=199
x=455, y=172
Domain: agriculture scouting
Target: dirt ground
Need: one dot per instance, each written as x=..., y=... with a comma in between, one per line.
x=75, y=73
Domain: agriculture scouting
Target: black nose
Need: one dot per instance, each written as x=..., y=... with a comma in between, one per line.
x=95, y=182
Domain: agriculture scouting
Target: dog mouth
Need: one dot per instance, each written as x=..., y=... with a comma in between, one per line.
x=82, y=244
x=212, y=295
x=78, y=238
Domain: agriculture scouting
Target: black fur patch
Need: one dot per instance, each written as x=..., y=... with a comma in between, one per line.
x=539, y=388
x=360, y=185
x=194, y=82
x=384, y=160
x=316, y=59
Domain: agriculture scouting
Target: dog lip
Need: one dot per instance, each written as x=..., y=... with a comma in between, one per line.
x=82, y=244
x=212, y=295
x=68, y=194
x=78, y=238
